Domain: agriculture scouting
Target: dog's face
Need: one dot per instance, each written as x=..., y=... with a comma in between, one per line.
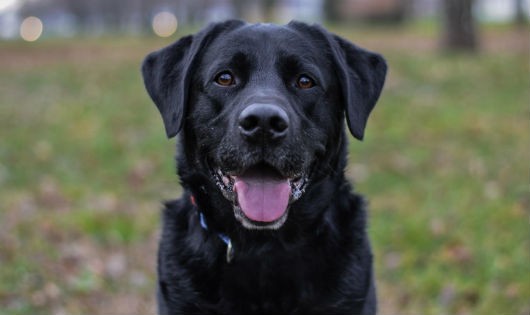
x=258, y=116
x=262, y=108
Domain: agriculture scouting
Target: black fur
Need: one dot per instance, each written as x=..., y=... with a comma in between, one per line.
x=319, y=261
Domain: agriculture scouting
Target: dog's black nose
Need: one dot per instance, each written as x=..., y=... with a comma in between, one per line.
x=263, y=121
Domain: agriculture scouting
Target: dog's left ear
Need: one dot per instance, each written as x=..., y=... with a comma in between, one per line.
x=167, y=73
x=362, y=75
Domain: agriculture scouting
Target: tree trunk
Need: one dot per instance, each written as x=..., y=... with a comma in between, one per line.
x=520, y=14
x=331, y=10
x=268, y=7
x=459, y=26
x=239, y=7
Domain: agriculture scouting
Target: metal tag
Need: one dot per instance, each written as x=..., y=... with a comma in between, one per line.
x=229, y=252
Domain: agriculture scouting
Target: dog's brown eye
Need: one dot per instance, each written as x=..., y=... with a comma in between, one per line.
x=225, y=79
x=305, y=82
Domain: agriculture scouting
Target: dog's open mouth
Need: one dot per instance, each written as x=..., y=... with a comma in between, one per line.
x=260, y=195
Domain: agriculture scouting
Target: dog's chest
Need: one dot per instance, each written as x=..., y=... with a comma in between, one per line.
x=282, y=284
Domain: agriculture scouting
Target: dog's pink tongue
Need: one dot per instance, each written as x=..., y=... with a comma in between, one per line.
x=262, y=199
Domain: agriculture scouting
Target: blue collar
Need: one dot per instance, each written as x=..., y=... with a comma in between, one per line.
x=222, y=237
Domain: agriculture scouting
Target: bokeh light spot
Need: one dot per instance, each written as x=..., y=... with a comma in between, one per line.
x=6, y=3
x=165, y=24
x=31, y=29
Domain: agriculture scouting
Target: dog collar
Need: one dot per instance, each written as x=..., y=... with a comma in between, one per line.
x=223, y=237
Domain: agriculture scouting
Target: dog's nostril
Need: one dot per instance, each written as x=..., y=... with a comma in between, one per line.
x=249, y=123
x=278, y=124
x=263, y=121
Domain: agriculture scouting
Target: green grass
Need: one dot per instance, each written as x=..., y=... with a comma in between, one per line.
x=84, y=163
x=448, y=150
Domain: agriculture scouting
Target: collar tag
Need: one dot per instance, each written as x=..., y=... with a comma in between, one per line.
x=229, y=252
x=222, y=237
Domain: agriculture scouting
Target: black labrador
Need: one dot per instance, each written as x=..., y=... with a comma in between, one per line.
x=267, y=223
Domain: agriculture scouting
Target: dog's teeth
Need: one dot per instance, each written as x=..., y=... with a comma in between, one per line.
x=298, y=182
x=297, y=187
x=297, y=193
x=226, y=180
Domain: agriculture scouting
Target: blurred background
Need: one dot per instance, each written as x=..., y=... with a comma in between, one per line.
x=84, y=162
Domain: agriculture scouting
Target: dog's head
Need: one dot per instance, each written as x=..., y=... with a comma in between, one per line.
x=261, y=108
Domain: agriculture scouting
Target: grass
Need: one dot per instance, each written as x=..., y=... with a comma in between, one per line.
x=84, y=163
x=452, y=165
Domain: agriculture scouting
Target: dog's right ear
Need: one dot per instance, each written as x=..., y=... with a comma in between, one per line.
x=167, y=73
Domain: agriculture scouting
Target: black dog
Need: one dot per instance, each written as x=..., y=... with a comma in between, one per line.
x=267, y=223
